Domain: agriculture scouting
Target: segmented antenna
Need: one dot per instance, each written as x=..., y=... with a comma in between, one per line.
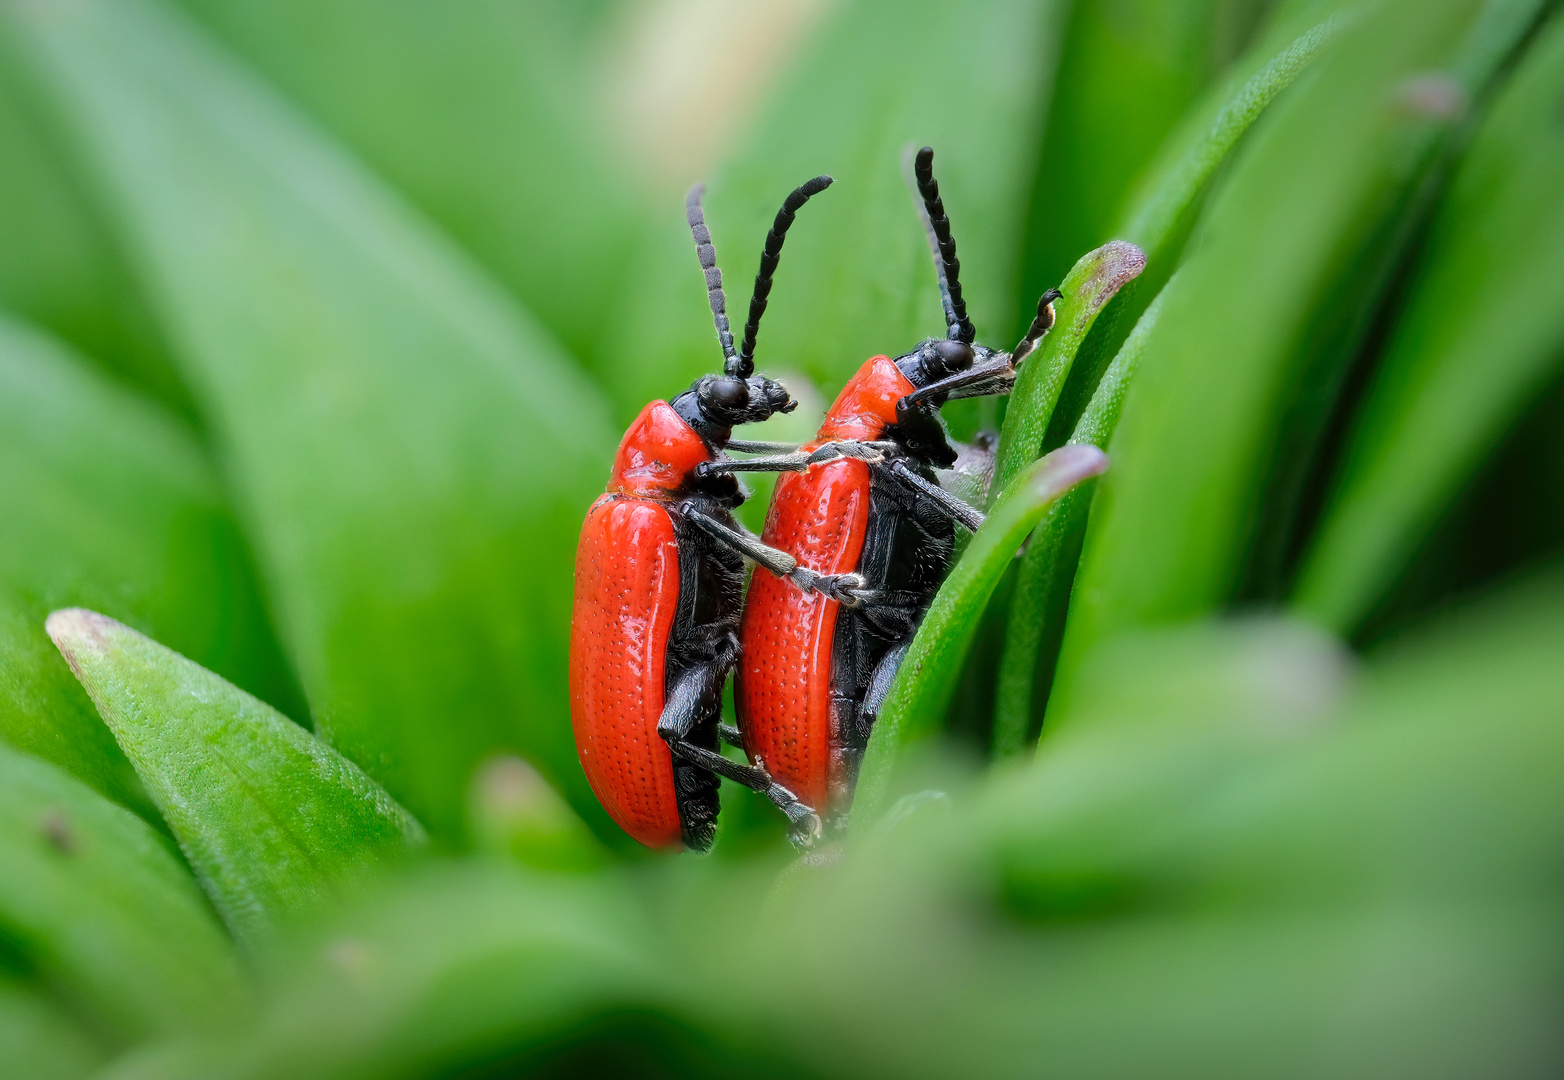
x=959, y=327
x=1040, y=326
x=708, y=257
x=768, y=265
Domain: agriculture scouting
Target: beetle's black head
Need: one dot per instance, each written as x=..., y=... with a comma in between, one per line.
x=715, y=403
x=939, y=359
x=920, y=432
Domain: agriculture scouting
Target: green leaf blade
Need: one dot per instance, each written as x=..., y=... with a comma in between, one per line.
x=1127, y=75
x=1237, y=382
x=272, y=819
x=108, y=501
x=486, y=116
x=1482, y=333
x=1038, y=605
x=929, y=672
x=1094, y=281
x=411, y=453
x=101, y=906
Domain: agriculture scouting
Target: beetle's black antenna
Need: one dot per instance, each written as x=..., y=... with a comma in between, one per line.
x=768, y=265
x=708, y=257
x=946, y=265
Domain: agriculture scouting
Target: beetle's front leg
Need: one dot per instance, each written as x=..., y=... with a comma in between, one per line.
x=968, y=517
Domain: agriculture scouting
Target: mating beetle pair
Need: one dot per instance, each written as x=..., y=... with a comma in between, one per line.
x=857, y=540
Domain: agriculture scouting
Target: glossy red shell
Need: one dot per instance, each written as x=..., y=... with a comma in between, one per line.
x=657, y=454
x=627, y=592
x=821, y=517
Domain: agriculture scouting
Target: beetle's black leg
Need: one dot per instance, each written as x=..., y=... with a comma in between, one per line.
x=845, y=588
x=967, y=517
x=752, y=446
x=695, y=693
x=798, y=460
x=1043, y=323
x=879, y=687
x=731, y=735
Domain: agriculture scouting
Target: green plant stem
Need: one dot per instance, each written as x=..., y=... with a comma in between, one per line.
x=1086, y=291
x=928, y=675
x=1048, y=564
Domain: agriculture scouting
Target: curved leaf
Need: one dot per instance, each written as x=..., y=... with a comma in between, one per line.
x=1237, y=383
x=104, y=910
x=486, y=115
x=928, y=674
x=1482, y=333
x=271, y=818
x=1086, y=290
x=59, y=265
x=411, y=454
x=1128, y=73
x=1037, y=607
x=1161, y=208
x=107, y=500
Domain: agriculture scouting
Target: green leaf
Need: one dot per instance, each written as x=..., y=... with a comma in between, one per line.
x=487, y=116
x=1237, y=382
x=1128, y=72
x=59, y=265
x=1481, y=335
x=1042, y=591
x=1087, y=289
x=106, y=500
x=1162, y=207
x=272, y=819
x=514, y=813
x=411, y=454
x=857, y=279
x=104, y=911
x=1207, y=134
x=929, y=672
x=39, y=1040
x=462, y=963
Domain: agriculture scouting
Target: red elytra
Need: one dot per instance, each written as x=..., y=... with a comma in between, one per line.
x=820, y=517
x=627, y=593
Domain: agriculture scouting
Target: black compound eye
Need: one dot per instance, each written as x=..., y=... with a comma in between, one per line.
x=948, y=357
x=728, y=392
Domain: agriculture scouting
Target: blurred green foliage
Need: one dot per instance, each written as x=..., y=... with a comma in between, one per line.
x=318, y=322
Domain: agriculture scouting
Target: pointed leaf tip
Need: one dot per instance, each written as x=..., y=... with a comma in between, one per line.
x=271, y=818
x=70, y=627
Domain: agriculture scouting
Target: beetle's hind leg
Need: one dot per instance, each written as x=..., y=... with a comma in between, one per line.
x=696, y=694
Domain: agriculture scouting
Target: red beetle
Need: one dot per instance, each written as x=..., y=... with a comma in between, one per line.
x=815, y=669
x=659, y=577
